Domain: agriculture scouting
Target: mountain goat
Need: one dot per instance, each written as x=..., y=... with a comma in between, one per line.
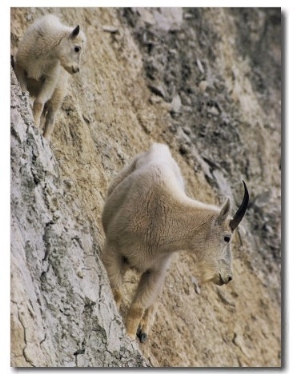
x=147, y=217
x=46, y=53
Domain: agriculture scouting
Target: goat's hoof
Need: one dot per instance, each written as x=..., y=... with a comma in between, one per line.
x=142, y=336
x=132, y=337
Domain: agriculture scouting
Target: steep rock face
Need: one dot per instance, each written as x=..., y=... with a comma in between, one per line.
x=62, y=309
x=202, y=81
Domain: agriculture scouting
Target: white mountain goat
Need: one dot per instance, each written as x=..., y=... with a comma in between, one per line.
x=46, y=53
x=147, y=217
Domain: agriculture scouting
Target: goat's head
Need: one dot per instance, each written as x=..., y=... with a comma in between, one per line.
x=70, y=50
x=216, y=251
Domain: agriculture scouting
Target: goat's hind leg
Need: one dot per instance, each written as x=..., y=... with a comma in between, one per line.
x=21, y=77
x=115, y=267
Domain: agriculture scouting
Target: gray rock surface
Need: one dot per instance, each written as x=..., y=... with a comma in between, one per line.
x=62, y=309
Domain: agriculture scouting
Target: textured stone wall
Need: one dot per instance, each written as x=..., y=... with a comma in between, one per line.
x=61, y=304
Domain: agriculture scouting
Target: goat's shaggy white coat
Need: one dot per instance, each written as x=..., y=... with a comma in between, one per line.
x=47, y=52
x=147, y=217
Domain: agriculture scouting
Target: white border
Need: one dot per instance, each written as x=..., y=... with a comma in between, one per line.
x=291, y=147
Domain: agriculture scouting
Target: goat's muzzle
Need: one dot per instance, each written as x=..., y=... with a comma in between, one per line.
x=225, y=279
x=75, y=69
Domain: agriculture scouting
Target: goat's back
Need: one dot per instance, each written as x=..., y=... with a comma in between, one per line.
x=138, y=204
x=38, y=42
x=42, y=36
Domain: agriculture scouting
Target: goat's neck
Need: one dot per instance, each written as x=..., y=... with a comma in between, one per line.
x=185, y=221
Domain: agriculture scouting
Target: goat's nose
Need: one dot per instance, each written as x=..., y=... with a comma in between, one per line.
x=75, y=69
x=226, y=279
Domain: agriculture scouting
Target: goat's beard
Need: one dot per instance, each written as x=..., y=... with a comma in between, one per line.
x=207, y=271
x=210, y=275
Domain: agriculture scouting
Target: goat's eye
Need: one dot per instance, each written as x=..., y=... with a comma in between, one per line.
x=77, y=49
x=227, y=238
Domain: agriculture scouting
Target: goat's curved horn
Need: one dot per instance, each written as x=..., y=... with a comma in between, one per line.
x=241, y=211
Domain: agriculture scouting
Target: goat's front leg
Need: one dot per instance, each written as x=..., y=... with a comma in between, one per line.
x=148, y=289
x=44, y=95
x=54, y=104
x=37, y=110
x=146, y=323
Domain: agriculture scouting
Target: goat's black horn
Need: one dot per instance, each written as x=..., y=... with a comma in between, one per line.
x=241, y=211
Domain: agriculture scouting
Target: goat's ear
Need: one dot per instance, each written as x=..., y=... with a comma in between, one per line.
x=75, y=32
x=224, y=211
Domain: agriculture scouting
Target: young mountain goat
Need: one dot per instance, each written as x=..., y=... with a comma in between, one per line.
x=147, y=217
x=46, y=53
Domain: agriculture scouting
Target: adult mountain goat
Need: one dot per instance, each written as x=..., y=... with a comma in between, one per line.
x=46, y=53
x=147, y=217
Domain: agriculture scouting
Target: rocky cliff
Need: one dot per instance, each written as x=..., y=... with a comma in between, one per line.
x=207, y=83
